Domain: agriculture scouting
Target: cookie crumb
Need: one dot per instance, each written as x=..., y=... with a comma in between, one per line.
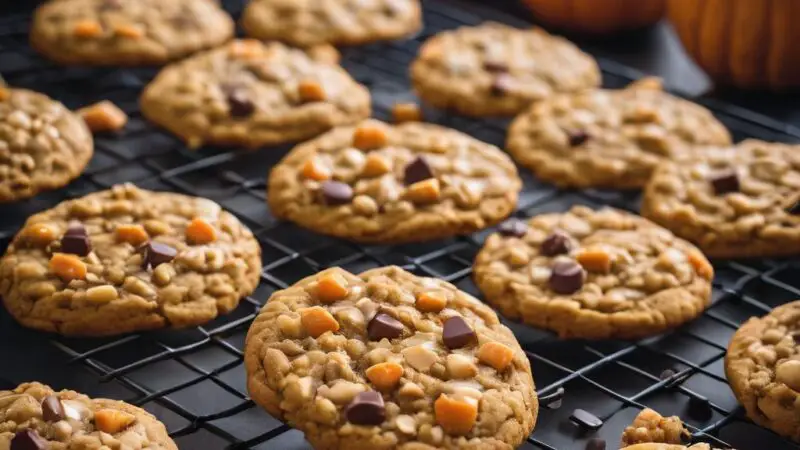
x=650, y=427
x=104, y=116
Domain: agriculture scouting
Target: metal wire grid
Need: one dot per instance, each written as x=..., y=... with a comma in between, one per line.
x=194, y=379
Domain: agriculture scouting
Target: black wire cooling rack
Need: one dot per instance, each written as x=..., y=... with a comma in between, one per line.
x=194, y=380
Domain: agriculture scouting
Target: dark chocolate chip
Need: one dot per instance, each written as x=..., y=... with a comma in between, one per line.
x=367, y=408
x=513, y=228
x=384, y=326
x=76, y=244
x=28, y=440
x=110, y=5
x=724, y=181
x=495, y=66
x=566, y=277
x=417, y=170
x=239, y=103
x=156, y=253
x=554, y=400
x=796, y=338
x=700, y=408
x=794, y=209
x=76, y=229
x=457, y=333
x=336, y=193
x=577, y=137
x=596, y=444
x=501, y=84
x=586, y=420
x=52, y=409
x=557, y=243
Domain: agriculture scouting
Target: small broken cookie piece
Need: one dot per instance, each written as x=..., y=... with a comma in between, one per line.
x=652, y=446
x=386, y=360
x=650, y=426
x=381, y=183
x=103, y=117
x=38, y=418
x=594, y=274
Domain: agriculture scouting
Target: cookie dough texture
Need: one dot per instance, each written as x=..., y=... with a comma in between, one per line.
x=494, y=69
x=127, y=32
x=43, y=145
x=758, y=219
x=40, y=274
x=315, y=22
x=637, y=279
x=251, y=94
x=763, y=369
x=77, y=421
x=310, y=381
x=650, y=427
x=609, y=138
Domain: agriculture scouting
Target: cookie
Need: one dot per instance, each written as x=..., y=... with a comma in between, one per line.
x=593, y=274
x=497, y=70
x=34, y=417
x=389, y=360
x=378, y=183
x=609, y=138
x=763, y=369
x=733, y=202
x=650, y=427
x=347, y=22
x=251, y=94
x=127, y=259
x=127, y=32
x=651, y=446
x=43, y=145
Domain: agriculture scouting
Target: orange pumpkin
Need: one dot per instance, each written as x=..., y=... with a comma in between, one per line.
x=598, y=16
x=742, y=43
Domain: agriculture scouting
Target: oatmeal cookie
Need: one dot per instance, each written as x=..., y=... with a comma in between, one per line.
x=127, y=32
x=252, y=94
x=733, y=202
x=594, y=274
x=763, y=369
x=650, y=427
x=43, y=145
x=34, y=417
x=388, y=360
x=494, y=69
x=389, y=184
x=127, y=259
x=609, y=138
x=347, y=22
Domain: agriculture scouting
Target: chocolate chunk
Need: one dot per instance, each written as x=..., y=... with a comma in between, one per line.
x=384, y=326
x=501, y=84
x=796, y=338
x=156, y=253
x=495, y=66
x=457, y=333
x=76, y=241
x=239, y=103
x=554, y=400
x=28, y=440
x=596, y=444
x=417, y=170
x=577, y=137
x=367, y=408
x=700, y=408
x=513, y=228
x=336, y=193
x=586, y=420
x=557, y=243
x=111, y=5
x=52, y=409
x=724, y=181
x=76, y=229
x=794, y=209
x=567, y=277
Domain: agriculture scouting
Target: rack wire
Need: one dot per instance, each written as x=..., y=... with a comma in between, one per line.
x=194, y=380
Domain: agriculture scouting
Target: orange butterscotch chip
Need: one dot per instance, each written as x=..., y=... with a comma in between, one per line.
x=88, y=29
x=385, y=375
x=246, y=49
x=370, y=137
x=426, y=191
x=200, y=232
x=595, y=260
x=40, y=233
x=406, y=112
x=103, y=116
x=4, y=94
x=129, y=31
x=332, y=287
x=456, y=416
x=132, y=234
x=701, y=265
x=112, y=421
x=311, y=91
x=431, y=301
x=317, y=321
x=376, y=165
x=313, y=169
x=68, y=267
x=496, y=355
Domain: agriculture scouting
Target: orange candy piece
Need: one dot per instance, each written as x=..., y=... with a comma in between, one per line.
x=385, y=375
x=311, y=91
x=200, y=232
x=426, y=191
x=88, y=29
x=332, y=287
x=701, y=265
x=431, y=301
x=375, y=165
x=103, y=116
x=595, y=260
x=496, y=355
x=129, y=31
x=246, y=49
x=40, y=234
x=369, y=137
x=4, y=94
x=68, y=267
x=313, y=169
x=406, y=112
x=317, y=321
x=112, y=421
x=456, y=416
x=132, y=234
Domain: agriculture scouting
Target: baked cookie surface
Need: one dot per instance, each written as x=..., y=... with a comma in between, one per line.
x=252, y=94
x=651, y=427
x=348, y=22
x=127, y=32
x=593, y=274
x=389, y=360
x=127, y=259
x=389, y=184
x=497, y=70
x=609, y=138
x=33, y=416
x=733, y=202
x=763, y=369
x=43, y=145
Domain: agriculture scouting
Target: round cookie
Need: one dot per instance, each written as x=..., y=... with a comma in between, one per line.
x=389, y=360
x=127, y=32
x=593, y=274
x=497, y=70
x=253, y=94
x=43, y=145
x=733, y=202
x=609, y=138
x=763, y=369
x=315, y=22
x=378, y=183
x=127, y=259
x=33, y=416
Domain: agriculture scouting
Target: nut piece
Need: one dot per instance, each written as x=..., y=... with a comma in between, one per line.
x=68, y=267
x=40, y=234
x=112, y=421
x=313, y=169
x=427, y=191
x=648, y=83
x=132, y=234
x=376, y=165
x=102, y=294
x=129, y=31
x=701, y=265
x=103, y=116
x=431, y=301
x=595, y=260
x=200, y=232
x=87, y=29
x=496, y=355
x=461, y=366
x=456, y=416
x=311, y=91
x=317, y=321
x=369, y=137
x=406, y=112
x=385, y=376
x=420, y=358
x=788, y=373
x=332, y=287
